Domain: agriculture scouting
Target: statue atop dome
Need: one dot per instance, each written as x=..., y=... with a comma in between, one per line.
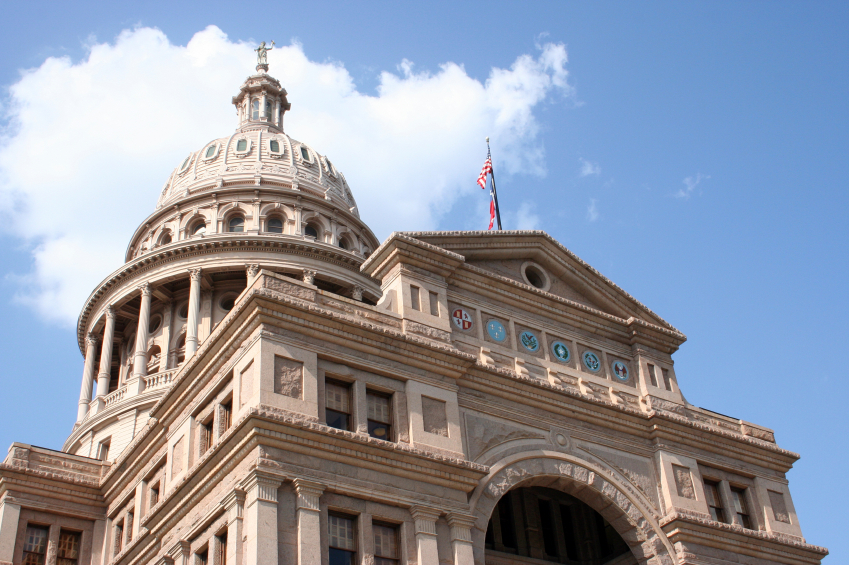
x=262, y=56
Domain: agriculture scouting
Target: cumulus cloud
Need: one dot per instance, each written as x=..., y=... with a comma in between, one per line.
x=690, y=185
x=87, y=146
x=526, y=217
x=592, y=211
x=589, y=169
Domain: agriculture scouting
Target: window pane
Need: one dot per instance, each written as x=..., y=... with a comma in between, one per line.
x=275, y=146
x=210, y=152
x=341, y=557
x=337, y=420
x=275, y=225
x=311, y=231
x=338, y=397
x=36, y=539
x=69, y=546
x=379, y=430
x=385, y=541
x=237, y=224
x=341, y=532
x=305, y=154
x=242, y=145
x=711, y=494
x=739, y=501
x=378, y=407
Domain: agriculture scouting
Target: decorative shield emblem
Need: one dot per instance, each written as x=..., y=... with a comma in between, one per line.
x=560, y=351
x=462, y=319
x=620, y=369
x=496, y=330
x=591, y=361
x=529, y=340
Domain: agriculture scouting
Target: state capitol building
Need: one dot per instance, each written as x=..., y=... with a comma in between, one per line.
x=267, y=383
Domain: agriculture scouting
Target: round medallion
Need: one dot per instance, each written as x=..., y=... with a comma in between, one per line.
x=496, y=330
x=591, y=361
x=462, y=319
x=560, y=351
x=529, y=340
x=620, y=369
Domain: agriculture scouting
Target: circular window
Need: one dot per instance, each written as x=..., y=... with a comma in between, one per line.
x=591, y=361
x=275, y=225
x=227, y=303
x=311, y=231
x=496, y=330
x=155, y=322
x=536, y=277
x=560, y=351
x=183, y=312
x=620, y=369
x=529, y=341
x=236, y=224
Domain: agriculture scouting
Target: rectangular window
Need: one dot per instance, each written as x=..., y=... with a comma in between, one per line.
x=652, y=375
x=434, y=304
x=415, y=299
x=35, y=545
x=386, y=550
x=129, y=527
x=69, y=548
x=226, y=416
x=103, y=449
x=713, y=500
x=667, y=382
x=738, y=499
x=205, y=435
x=202, y=556
x=338, y=405
x=379, y=415
x=119, y=537
x=343, y=549
x=154, y=494
x=221, y=548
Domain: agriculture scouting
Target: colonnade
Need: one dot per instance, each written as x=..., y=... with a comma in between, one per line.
x=140, y=350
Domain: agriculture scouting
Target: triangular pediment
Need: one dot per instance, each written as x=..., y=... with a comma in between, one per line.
x=509, y=254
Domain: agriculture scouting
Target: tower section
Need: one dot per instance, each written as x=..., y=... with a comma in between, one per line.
x=255, y=199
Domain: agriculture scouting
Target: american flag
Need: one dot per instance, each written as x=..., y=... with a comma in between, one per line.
x=487, y=170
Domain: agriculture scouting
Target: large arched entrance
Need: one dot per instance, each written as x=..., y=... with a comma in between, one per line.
x=550, y=525
x=609, y=512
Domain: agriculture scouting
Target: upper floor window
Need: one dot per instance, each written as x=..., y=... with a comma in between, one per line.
x=236, y=224
x=185, y=164
x=242, y=146
x=199, y=228
x=386, y=546
x=343, y=548
x=255, y=109
x=275, y=225
x=311, y=231
x=211, y=151
x=713, y=500
x=338, y=405
x=69, y=548
x=35, y=545
x=305, y=153
x=379, y=415
x=738, y=499
x=274, y=146
x=343, y=243
x=268, y=112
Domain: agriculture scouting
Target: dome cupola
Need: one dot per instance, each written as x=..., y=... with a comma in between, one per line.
x=261, y=101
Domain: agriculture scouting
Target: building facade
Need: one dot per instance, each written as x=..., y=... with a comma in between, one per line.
x=265, y=382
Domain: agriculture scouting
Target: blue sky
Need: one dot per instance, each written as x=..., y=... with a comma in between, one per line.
x=697, y=156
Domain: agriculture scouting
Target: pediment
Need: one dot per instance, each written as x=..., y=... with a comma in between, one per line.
x=507, y=254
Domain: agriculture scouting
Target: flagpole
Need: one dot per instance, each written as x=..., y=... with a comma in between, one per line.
x=494, y=192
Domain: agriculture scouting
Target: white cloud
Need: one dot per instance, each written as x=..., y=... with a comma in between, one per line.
x=589, y=169
x=526, y=218
x=592, y=211
x=88, y=145
x=690, y=185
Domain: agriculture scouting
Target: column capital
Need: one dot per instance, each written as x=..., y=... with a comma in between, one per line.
x=91, y=340
x=461, y=526
x=194, y=274
x=145, y=289
x=235, y=500
x=180, y=549
x=425, y=518
x=252, y=270
x=357, y=293
x=308, y=494
x=110, y=311
x=309, y=276
x=261, y=485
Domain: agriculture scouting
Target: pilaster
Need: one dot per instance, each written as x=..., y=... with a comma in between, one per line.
x=309, y=521
x=461, y=537
x=9, y=516
x=260, y=517
x=194, y=310
x=234, y=506
x=426, y=546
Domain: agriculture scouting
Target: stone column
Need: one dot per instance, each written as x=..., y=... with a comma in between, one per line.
x=88, y=377
x=260, y=518
x=309, y=276
x=9, y=516
x=167, y=313
x=309, y=521
x=357, y=293
x=234, y=506
x=140, y=357
x=104, y=374
x=299, y=220
x=461, y=537
x=194, y=308
x=426, y=548
x=253, y=271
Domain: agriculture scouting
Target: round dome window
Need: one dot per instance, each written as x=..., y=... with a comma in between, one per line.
x=183, y=312
x=227, y=303
x=155, y=322
x=535, y=276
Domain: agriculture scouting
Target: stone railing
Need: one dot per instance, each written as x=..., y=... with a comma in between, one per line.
x=159, y=380
x=115, y=396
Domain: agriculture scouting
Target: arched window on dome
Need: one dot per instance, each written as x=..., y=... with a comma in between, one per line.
x=165, y=237
x=236, y=224
x=344, y=243
x=255, y=109
x=305, y=154
x=198, y=228
x=311, y=230
x=267, y=113
x=274, y=225
x=274, y=148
